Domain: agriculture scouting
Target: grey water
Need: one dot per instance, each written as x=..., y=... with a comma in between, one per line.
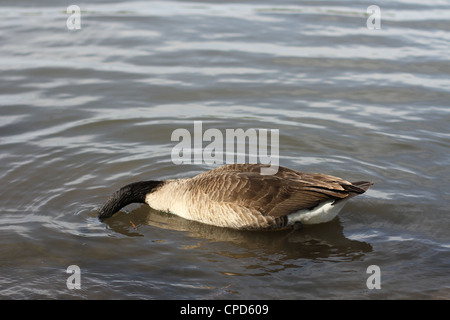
x=86, y=111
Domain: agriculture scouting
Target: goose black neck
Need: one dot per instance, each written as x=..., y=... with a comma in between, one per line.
x=132, y=193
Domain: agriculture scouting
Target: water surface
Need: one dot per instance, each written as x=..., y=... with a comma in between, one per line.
x=84, y=112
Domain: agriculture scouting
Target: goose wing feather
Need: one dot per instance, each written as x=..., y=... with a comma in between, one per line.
x=276, y=195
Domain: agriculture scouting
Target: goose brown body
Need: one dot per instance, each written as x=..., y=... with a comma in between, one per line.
x=238, y=196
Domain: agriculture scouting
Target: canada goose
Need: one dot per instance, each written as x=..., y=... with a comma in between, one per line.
x=238, y=196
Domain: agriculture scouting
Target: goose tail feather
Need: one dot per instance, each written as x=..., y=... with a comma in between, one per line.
x=354, y=189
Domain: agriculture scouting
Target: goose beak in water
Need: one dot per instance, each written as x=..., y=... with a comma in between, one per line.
x=238, y=196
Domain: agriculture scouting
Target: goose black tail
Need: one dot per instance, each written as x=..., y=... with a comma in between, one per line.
x=356, y=188
x=363, y=186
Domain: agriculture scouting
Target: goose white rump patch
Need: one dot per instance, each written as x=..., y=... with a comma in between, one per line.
x=322, y=213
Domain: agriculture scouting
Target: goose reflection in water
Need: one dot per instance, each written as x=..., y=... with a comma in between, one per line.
x=322, y=241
